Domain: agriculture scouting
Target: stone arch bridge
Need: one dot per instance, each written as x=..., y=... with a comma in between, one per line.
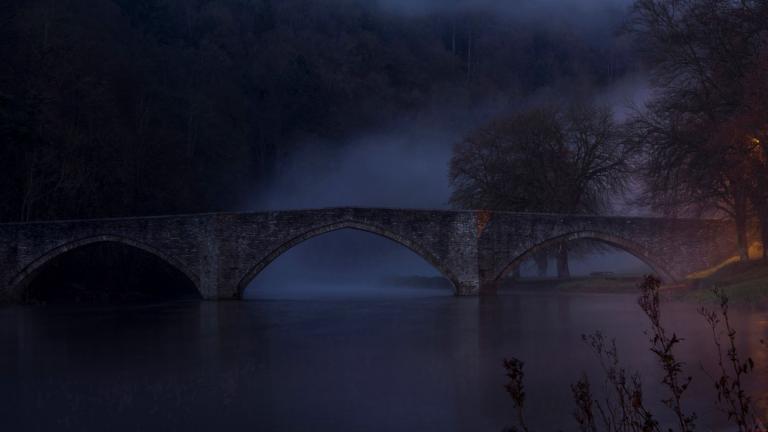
x=222, y=252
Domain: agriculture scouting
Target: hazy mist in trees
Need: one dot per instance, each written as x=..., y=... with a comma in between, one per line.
x=169, y=106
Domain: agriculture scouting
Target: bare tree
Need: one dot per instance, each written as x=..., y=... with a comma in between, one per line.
x=569, y=160
x=699, y=154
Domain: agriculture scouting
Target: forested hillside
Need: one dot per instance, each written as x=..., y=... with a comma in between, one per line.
x=126, y=107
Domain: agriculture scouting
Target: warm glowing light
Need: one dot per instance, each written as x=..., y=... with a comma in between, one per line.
x=755, y=148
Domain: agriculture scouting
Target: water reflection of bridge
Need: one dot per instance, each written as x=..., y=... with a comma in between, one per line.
x=222, y=252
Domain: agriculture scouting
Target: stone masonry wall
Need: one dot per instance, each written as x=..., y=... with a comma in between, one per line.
x=222, y=253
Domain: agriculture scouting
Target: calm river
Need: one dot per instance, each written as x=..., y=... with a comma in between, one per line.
x=426, y=362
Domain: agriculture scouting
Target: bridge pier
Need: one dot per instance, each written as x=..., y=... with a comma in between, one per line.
x=467, y=288
x=474, y=280
x=488, y=288
x=220, y=292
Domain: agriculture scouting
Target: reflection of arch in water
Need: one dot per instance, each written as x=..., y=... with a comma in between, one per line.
x=620, y=243
x=27, y=275
x=373, y=229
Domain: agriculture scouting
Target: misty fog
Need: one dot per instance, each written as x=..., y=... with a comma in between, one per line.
x=401, y=164
x=353, y=264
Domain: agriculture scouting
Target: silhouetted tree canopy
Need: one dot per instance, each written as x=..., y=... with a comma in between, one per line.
x=568, y=160
x=699, y=132
x=556, y=160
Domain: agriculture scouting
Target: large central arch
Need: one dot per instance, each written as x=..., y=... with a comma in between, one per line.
x=347, y=224
x=629, y=246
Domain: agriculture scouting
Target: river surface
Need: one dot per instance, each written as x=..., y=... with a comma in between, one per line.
x=426, y=362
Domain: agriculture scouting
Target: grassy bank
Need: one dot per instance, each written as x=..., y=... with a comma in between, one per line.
x=742, y=282
x=597, y=284
x=584, y=284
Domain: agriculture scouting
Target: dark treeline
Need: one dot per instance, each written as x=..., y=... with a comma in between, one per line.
x=118, y=107
x=703, y=135
x=696, y=148
x=569, y=160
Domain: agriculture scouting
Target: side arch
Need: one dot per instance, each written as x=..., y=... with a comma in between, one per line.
x=628, y=246
x=25, y=276
x=347, y=224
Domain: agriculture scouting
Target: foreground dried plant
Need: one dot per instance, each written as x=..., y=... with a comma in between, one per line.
x=732, y=398
x=623, y=409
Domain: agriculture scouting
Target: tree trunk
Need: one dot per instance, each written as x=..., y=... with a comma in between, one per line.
x=469, y=52
x=740, y=217
x=741, y=240
x=563, y=271
x=542, y=263
x=764, y=237
x=762, y=213
x=453, y=38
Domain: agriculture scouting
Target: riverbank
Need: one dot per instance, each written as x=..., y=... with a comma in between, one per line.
x=742, y=282
x=592, y=284
x=619, y=284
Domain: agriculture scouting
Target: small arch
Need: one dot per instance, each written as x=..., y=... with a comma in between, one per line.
x=631, y=247
x=25, y=276
x=348, y=224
